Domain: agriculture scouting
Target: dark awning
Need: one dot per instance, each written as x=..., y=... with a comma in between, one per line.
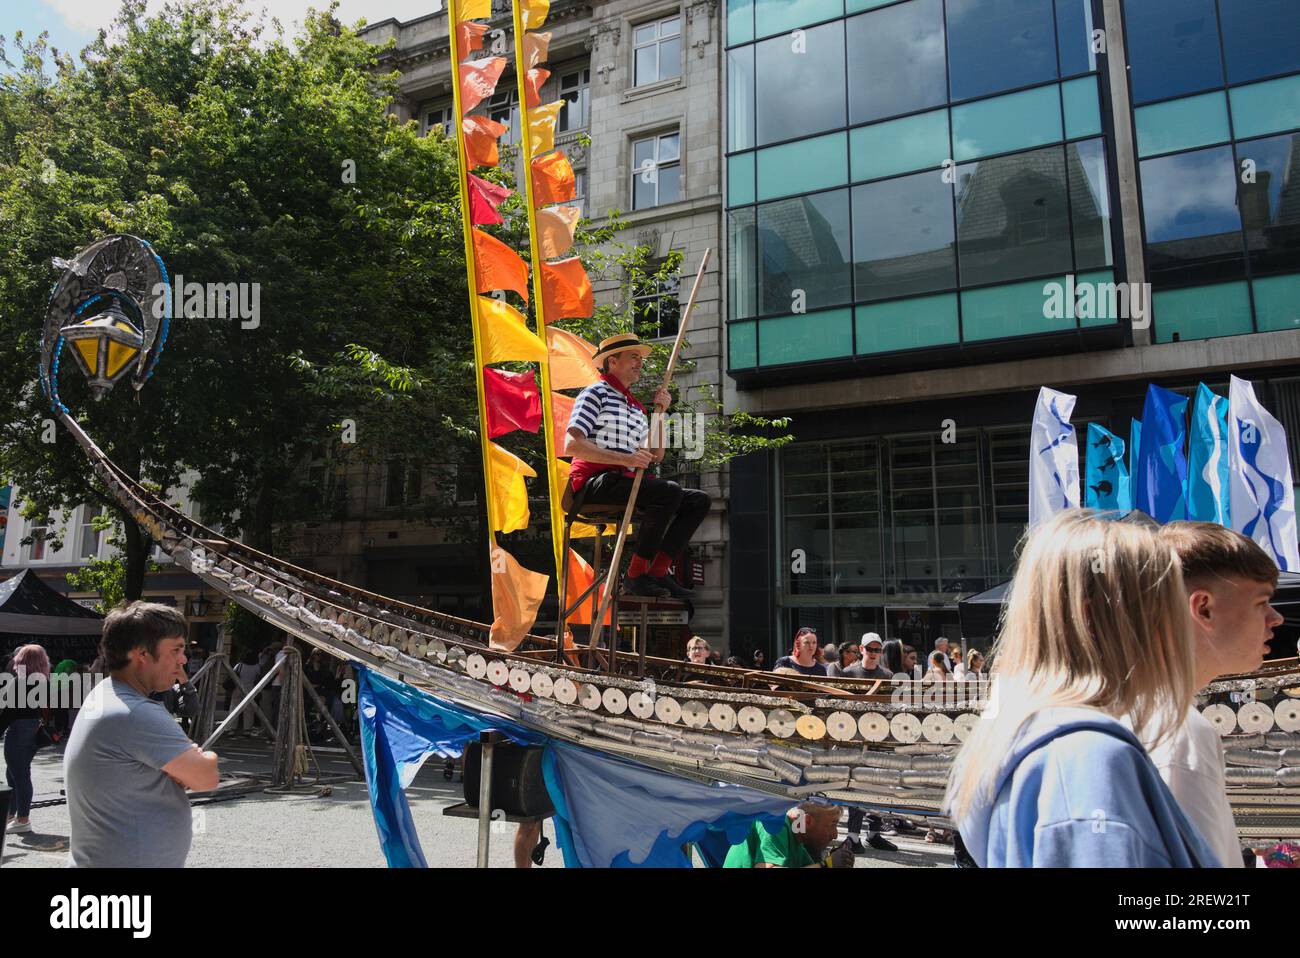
x=30, y=607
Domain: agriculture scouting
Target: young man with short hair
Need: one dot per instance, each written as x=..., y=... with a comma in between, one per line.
x=127, y=763
x=1230, y=583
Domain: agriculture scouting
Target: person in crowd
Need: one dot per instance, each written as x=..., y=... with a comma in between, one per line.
x=938, y=671
x=715, y=657
x=870, y=665
x=759, y=663
x=848, y=663
x=803, y=656
x=831, y=659
x=128, y=764
x=697, y=653
x=909, y=661
x=248, y=672
x=893, y=661
x=30, y=664
x=941, y=646
x=1096, y=628
x=803, y=841
x=974, y=664
x=1229, y=582
x=958, y=666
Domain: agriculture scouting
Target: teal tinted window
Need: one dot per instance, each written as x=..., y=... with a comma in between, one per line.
x=857, y=6
x=776, y=16
x=740, y=99
x=740, y=21
x=1277, y=302
x=743, y=350
x=1006, y=123
x=907, y=324
x=1202, y=312
x=742, y=264
x=1085, y=164
x=800, y=82
x=1181, y=124
x=795, y=339
x=1266, y=107
x=913, y=143
x=903, y=237
x=740, y=179
x=803, y=253
x=1017, y=309
x=803, y=166
x=1098, y=301
x=896, y=63
x=1082, y=109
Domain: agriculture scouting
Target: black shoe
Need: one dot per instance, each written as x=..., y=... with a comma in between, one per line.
x=881, y=843
x=904, y=827
x=855, y=845
x=539, y=853
x=644, y=585
x=674, y=589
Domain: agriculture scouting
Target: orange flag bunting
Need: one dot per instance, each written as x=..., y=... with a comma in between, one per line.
x=504, y=336
x=474, y=10
x=534, y=12
x=469, y=37
x=481, y=140
x=536, y=49
x=581, y=575
x=566, y=290
x=555, y=230
x=507, y=489
x=552, y=180
x=571, y=365
x=478, y=81
x=541, y=127
x=561, y=410
x=533, y=81
x=517, y=594
x=497, y=266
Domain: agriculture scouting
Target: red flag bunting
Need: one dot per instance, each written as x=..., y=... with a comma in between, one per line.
x=484, y=198
x=512, y=400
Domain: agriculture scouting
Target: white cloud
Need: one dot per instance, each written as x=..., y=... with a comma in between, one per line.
x=93, y=14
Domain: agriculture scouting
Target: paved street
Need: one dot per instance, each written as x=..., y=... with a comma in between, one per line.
x=305, y=831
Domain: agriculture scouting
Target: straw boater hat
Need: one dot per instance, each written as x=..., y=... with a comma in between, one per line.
x=620, y=343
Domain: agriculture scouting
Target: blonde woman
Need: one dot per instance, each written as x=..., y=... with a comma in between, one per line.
x=1096, y=627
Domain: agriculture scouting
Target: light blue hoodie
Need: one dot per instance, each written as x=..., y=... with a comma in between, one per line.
x=1078, y=790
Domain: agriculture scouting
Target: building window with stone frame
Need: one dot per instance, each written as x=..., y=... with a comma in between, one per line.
x=88, y=538
x=656, y=307
x=575, y=91
x=39, y=532
x=580, y=191
x=402, y=482
x=503, y=107
x=657, y=50
x=436, y=116
x=656, y=170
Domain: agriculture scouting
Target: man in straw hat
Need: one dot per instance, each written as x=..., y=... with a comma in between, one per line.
x=607, y=431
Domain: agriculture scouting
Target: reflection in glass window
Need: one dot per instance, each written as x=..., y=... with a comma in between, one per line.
x=1261, y=38
x=740, y=98
x=1173, y=47
x=1074, y=26
x=1193, y=228
x=657, y=50
x=896, y=61
x=503, y=107
x=1270, y=206
x=801, y=92
x=656, y=171
x=1009, y=485
x=996, y=45
x=1089, y=204
x=803, y=252
x=742, y=264
x=1012, y=220
x=903, y=237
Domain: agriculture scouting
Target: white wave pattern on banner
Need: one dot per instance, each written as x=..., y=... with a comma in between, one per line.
x=1053, y=457
x=1261, y=494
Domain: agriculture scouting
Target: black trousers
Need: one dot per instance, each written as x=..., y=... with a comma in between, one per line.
x=669, y=514
x=856, y=815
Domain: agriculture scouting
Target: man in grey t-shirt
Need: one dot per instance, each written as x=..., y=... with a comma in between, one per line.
x=127, y=763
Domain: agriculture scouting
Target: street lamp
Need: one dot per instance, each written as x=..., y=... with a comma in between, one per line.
x=104, y=346
x=199, y=606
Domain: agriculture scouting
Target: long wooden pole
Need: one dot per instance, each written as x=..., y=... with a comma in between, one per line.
x=611, y=579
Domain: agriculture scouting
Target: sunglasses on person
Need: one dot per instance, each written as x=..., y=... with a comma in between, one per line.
x=873, y=650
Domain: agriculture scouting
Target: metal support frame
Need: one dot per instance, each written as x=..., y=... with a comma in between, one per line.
x=488, y=740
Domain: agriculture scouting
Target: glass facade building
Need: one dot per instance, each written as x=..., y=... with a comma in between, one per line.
x=904, y=178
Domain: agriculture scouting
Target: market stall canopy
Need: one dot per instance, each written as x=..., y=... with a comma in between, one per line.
x=29, y=607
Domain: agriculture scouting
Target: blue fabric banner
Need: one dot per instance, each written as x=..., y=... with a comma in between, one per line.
x=1106, y=486
x=1160, y=485
x=1134, y=449
x=1207, y=467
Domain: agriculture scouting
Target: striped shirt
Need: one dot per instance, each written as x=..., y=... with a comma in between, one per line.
x=604, y=414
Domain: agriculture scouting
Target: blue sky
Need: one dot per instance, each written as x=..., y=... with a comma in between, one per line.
x=73, y=23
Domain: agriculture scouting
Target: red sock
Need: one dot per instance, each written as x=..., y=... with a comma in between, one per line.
x=659, y=568
x=638, y=567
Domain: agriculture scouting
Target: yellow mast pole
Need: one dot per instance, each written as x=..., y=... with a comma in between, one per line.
x=467, y=230
x=539, y=311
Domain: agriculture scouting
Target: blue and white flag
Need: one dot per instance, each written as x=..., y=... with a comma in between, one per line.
x=1106, y=481
x=1160, y=484
x=1207, y=459
x=1053, y=457
x=1262, y=497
